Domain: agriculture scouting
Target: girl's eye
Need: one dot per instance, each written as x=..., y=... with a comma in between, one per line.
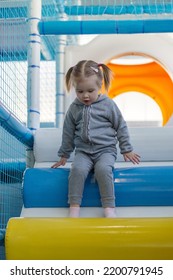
x=80, y=91
x=91, y=90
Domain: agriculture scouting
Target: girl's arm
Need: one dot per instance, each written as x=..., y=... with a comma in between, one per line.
x=122, y=130
x=123, y=137
x=67, y=145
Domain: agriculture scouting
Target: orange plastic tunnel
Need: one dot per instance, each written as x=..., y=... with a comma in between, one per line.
x=150, y=79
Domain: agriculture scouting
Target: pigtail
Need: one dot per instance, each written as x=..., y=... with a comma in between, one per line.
x=107, y=75
x=68, y=79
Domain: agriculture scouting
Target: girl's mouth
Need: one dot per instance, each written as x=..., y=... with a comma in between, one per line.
x=86, y=101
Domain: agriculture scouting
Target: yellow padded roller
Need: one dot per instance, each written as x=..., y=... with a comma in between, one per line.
x=89, y=239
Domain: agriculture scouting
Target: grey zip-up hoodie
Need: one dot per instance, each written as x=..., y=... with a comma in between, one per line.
x=95, y=128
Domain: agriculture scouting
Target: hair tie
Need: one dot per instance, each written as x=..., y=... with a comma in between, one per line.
x=99, y=64
x=94, y=69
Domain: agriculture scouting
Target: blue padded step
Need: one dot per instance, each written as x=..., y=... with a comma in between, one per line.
x=136, y=186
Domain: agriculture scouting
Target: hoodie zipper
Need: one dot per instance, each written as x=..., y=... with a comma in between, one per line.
x=86, y=122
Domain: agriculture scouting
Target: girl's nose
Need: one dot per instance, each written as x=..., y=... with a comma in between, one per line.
x=86, y=94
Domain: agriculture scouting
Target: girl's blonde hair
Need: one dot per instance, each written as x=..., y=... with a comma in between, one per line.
x=87, y=68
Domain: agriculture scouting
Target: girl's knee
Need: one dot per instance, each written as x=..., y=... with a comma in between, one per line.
x=103, y=170
x=78, y=172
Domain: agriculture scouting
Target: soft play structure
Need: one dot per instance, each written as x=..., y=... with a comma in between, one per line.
x=144, y=199
x=143, y=228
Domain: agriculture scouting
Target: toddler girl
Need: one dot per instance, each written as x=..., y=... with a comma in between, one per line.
x=93, y=125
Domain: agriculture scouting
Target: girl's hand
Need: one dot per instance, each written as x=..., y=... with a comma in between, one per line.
x=135, y=158
x=62, y=162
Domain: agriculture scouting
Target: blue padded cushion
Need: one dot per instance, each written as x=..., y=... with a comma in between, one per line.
x=136, y=186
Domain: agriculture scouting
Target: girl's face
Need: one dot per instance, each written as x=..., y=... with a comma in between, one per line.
x=87, y=89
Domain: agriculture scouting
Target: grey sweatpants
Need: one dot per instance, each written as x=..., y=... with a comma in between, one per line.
x=102, y=164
